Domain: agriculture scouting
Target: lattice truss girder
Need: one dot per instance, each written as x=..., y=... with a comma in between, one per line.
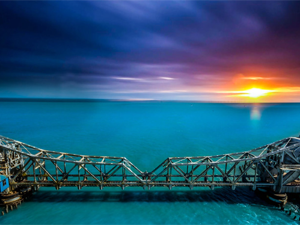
x=263, y=166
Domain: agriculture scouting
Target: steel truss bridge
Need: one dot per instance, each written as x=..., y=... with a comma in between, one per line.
x=275, y=165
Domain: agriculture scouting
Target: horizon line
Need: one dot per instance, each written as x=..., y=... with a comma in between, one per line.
x=24, y=99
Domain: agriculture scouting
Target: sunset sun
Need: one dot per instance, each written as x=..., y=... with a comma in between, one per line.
x=256, y=92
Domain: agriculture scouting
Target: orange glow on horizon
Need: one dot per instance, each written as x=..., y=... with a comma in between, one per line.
x=256, y=92
x=254, y=88
x=259, y=87
x=253, y=92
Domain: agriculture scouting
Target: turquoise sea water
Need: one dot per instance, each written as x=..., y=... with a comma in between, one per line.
x=147, y=133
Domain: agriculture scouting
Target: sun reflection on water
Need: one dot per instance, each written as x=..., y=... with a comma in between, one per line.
x=255, y=112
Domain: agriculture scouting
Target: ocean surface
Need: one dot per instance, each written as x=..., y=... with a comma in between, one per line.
x=147, y=133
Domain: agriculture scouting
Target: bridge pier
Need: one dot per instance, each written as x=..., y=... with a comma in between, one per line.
x=10, y=199
x=270, y=195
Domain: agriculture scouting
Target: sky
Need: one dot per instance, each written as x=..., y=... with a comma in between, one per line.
x=151, y=50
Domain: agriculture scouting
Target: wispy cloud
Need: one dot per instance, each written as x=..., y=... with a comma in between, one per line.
x=144, y=79
x=287, y=89
x=166, y=78
x=262, y=78
x=257, y=78
x=130, y=79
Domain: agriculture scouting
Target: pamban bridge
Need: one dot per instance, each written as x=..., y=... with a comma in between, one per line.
x=273, y=169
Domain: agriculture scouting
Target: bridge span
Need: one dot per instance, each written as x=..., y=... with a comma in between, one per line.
x=275, y=165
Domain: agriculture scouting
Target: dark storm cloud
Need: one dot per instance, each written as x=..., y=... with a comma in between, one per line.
x=90, y=46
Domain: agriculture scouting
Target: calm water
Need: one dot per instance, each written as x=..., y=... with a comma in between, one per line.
x=147, y=133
